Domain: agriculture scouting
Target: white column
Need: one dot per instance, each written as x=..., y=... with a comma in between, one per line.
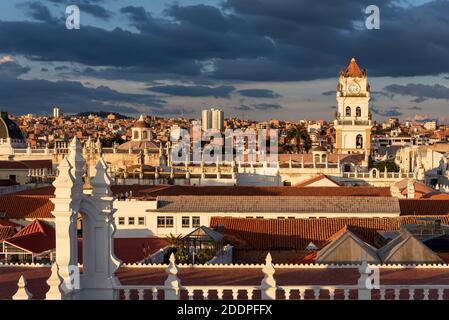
x=99, y=261
x=66, y=204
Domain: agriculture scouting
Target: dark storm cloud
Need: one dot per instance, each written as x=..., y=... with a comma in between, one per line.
x=258, y=93
x=268, y=106
x=194, y=91
x=37, y=11
x=418, y=100
x=421, y=91
x=91, y=7
x=72, y=96
x=95, y=10
x=261, y=106
x=392, y=112
x=244, y=108
x=12, y=69
x=258, y=40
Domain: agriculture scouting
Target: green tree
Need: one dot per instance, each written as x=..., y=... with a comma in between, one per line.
x=390, y=165
x=287, y=148
x=108, y=142
x=301, y=138
x=174, y=241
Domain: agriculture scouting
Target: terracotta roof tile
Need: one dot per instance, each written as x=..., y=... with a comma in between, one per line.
x=411, y=207
x=26, y=206
x=316, y=179
x=281, y=204
x=37, y=237
x=263, y=234
x=13, y=165
x=6, y=232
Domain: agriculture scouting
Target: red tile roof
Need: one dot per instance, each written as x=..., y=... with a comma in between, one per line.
x=353, y=70
x=22, y=206
x=7, y=223
x=287, y=234
x=12, y=165
x=6, y=232
x=316, y=179
x=38, y=164
x=131, y=250
x=432, y=207
x=36, y=238
x=177, y=190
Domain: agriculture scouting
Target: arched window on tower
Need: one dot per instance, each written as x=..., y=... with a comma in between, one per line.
x=359, y=141
x=358, y=112
x=348, y=111
x=317, y=158
x=145, y=135
x=136, y=135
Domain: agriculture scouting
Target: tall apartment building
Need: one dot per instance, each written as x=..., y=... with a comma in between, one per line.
x=57, y=112
x=212, y=119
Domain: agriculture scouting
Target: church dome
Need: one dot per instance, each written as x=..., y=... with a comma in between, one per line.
x=141, y=123
x=9, y=129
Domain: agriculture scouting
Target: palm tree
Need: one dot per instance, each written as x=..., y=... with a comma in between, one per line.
x=301, y=136
x=287, y=148
x=174, y=241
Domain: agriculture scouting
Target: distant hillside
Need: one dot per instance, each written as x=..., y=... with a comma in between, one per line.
x=102, y=114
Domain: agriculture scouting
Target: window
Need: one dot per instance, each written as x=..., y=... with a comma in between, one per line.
x=291, y=217
x=165, y=222
x=141, y=221
x=186, y=222
x=348, y=111
x=131, y=221
x=323, y=158
x=144, y=135
x=359, y=141
x=121, y=221
x=358, y=112
x=280, y=218
x=248, y=217
x=196, y=223
x=317, y=158
x=136, y=135
x=169, y=222
x=13, y=178
x=259, y=217
x=161, y=222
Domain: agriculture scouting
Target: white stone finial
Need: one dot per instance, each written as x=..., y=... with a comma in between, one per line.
x=65, y=180
x=268, y=285
x=172, y=284
x=22, y=291
x=101, y=183
x=54, y=282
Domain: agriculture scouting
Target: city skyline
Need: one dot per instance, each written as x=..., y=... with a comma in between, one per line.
x=171, y=59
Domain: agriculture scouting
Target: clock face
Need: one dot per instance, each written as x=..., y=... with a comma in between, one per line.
x=353, y=87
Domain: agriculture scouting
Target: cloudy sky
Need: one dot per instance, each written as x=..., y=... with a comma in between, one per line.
x=259, y=59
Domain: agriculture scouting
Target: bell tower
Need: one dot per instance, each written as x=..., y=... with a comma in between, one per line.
x=353, y=120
